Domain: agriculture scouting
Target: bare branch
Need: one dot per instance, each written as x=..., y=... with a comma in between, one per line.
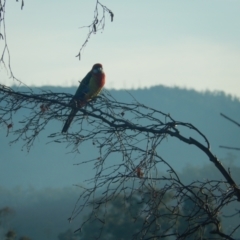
x=232, y=148
x=98, y=24
x=132, y=133
x=231, y=120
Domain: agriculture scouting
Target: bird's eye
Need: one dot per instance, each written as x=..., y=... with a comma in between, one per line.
x=97, y=70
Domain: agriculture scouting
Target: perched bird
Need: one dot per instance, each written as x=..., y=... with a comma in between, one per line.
x=89, y=88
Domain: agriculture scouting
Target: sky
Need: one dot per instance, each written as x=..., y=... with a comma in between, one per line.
x=189, y=44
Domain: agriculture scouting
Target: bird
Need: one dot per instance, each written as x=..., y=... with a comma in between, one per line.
x=89, y=87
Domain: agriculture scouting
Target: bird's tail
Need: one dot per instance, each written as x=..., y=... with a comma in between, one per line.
x=69, y=120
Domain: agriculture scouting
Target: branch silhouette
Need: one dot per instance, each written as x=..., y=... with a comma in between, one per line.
x=134, y=133
x=98, y=24
x=236, y=123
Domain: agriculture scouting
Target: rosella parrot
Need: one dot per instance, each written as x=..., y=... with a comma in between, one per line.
x=89, y=88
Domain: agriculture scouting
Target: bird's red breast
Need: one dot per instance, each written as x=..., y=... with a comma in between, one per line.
x=100, y=80
x=99, y=75
x=97, y=81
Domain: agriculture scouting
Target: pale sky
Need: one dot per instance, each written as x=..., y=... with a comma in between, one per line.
x=190, y=44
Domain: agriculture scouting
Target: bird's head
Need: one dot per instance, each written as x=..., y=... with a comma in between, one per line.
x=97, y=68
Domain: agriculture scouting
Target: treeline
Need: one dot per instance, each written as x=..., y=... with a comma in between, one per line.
x=43, y=214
